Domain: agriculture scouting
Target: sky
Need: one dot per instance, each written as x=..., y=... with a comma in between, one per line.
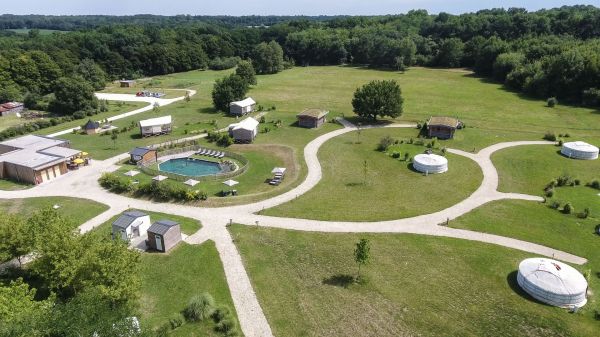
x=265, y=7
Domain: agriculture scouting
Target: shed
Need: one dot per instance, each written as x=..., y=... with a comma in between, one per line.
x=442, y=127
x=91, y=127
x=244, y=131
x=130, y=224
x=126, y=83
x=312, y=118
x=143, y=154
x=240, y=108
x=155, y=126
x=552, y=282
x=163, y=235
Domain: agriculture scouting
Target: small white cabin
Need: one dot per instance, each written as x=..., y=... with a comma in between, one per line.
x=131, y=224
x=155, y=126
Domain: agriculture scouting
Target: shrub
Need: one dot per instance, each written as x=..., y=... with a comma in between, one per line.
x=410, y=141
x=396, y=155
x=552, y=102
x=385, y=143
x=226, y=325
x=555, y=205
x=266, y=129
x=225, y=140
x=568, y=208
x=220, y=314
x=595, y=184
x=550, y=136
x=585, y=214
x=560, y=142
x=577, y=182
x=406, y=155
x=199, y=308
x=563, y=180
x=262, y=119
x=176, y=321
x=567, y=135
x=550, y=193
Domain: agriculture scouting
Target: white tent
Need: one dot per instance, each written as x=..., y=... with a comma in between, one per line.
x=159, y=178
x=191, y=182
x=230, y=182
x=132, y=173
x=579, y=150
x=552, y=282
x=278, y=170
x=430, y=163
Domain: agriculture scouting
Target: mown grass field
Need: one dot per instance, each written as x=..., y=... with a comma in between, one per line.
x=528, y=169
x=170, y=280
x=415, y=286
x=392, y=189
x=76, y=210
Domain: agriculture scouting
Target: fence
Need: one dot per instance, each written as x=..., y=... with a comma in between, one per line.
x=144, y=166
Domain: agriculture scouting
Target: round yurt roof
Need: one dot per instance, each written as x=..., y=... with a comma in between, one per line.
x=553, y=276
x=581, y=147
x=430, y=159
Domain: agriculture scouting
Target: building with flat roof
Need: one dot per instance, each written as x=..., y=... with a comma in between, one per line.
x=35, y=159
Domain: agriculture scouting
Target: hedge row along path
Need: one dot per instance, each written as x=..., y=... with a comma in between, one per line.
x=84, y=184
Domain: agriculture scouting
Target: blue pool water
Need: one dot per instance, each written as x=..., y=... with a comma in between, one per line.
x=190, y=167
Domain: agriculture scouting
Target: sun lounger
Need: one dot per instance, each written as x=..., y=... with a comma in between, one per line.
x=201, y=152
x=221, y=155
x=211, y=153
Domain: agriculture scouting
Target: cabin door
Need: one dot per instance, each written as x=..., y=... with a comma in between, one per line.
x=159, y=245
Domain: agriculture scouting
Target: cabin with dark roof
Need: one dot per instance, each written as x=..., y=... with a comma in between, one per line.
x=442, y=127
x=127, y=83
x=143, y=154
x=91, y=127
x=163, y=235
x=130, y=224
x=312, y=118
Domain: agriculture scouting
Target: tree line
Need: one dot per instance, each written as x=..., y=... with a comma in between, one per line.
x=547, y=53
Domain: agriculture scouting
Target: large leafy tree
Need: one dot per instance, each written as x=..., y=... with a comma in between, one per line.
x=450, y=53
x=268, y=58
x=245, y=70
x=16, y=238
x=227, y=90
x=73, y=94
x=92, y=73
x=378, y=99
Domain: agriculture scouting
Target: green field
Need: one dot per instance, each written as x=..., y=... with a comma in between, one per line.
x=415, y=286
x=392, y=190
x=78, y=211
x=528, y=169
x=170, y=280
x=9, y=185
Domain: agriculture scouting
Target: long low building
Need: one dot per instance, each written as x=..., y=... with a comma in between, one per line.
x=155, y=126
x=35, y=159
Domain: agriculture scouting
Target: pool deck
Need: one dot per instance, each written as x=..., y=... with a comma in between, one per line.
x=176, y=156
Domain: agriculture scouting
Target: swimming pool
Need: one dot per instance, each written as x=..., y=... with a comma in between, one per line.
x=190, y=167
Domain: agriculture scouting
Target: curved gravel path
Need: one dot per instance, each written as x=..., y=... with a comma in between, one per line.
x=83, y=183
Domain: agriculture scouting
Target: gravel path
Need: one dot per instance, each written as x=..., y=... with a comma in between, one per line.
x=83, y=183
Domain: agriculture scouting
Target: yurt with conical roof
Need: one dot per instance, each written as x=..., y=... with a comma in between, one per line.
x=430, y=163
x=552, y=282
x=579, y=150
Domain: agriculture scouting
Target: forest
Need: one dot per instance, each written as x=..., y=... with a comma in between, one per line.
x=547, y=53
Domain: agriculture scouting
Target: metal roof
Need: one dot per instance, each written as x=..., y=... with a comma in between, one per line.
x=34, y=142
x=127, y=218
x=247, y=124
x=162, y=226
x=244, y=103
x=60, y=151
x=140, y=151
x=156, y=121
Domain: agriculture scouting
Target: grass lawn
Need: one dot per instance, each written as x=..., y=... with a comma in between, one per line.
x=392, y=190
x=188, y=226
x=416, y=286
x=528, y=169
x=170, y=280
x=10, y=120
x=538, y=223
x=9, y=185
x=75, y=209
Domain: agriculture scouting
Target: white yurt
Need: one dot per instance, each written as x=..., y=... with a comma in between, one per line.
x=430, y=163
x=552, y=282
x=579, y=150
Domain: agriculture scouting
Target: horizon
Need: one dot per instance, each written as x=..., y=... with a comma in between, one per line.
x=236, y=8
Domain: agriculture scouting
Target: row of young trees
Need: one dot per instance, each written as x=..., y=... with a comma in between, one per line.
x=78, y=285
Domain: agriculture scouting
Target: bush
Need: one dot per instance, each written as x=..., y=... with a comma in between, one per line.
x=568, y=208
x=226, y=325
x=199, y=308
x=555, y=205
x=223, y=63
x=550, y=136
x=552, y=102
x=396, y=155
x=262, y=119
x=595, y=184
x=550, y=193
x=577, y=182
x=385, y=143
x=585, y=214
x=225, y=140
x=176, y=321
x=406, y=155
x=563, y=180
x=220, y=313
x=560, y=142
